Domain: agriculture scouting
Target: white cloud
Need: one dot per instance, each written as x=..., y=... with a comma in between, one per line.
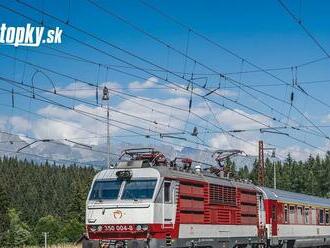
x=83, y=90
x=15, y=123
x=297, y=152
x=326, y=119
x=20, y=124
x=3, y=122
x=240, y=119
x=149, y=83
x=74, y=124
x=225, y=141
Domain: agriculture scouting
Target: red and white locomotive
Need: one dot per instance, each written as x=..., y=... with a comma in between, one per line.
x=146, y=201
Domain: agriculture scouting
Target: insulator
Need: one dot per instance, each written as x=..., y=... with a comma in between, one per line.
x=105, y=93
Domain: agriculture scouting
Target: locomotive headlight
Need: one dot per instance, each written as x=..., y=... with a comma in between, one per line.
x=93, y=228
x=145, y=227
x=138, y=227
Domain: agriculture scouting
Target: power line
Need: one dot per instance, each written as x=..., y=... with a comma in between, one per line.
x=76, y=58
x=135, y=27
x=296, y=139
x=216, y=44
x=97, y=116
x=100, y=119
x=300, y=23
x=131, y=54
x=196, y=61
x=71, y=56
x=145, y=79
x=57, y=141
x=156, y=82
x=230, y=51
x=145, y=60
x=134, y=96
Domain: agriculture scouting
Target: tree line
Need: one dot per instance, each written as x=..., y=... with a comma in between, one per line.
x=37, y=198
x=310, y=177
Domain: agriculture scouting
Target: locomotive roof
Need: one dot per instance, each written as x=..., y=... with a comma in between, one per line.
x=205, y=177
x=291, y=197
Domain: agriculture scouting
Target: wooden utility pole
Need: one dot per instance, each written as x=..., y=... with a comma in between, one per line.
x=261, y=164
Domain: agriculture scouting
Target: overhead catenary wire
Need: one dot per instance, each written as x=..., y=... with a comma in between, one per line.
x=117, y=70
x=96, y=118
x=149, y=100
x=131, y=54
x=302, y=25
x=216, y=44
x=153, y=37
x=215, y=102
x=203, y=143
x=265, y=125
x=76, y=58
x=89, y=45
x=102, y=119
x=179, y=52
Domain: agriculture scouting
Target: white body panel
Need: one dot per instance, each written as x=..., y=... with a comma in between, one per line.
x=120, y=214
x=133, y=213
x=302, y=230
x=218, y=231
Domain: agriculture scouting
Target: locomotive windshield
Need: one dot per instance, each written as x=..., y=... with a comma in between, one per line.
x=139, y=189
x=105, y=190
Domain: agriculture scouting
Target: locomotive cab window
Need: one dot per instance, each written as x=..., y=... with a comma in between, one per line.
x=139, y=189
x=105, y=190
x=321, y=219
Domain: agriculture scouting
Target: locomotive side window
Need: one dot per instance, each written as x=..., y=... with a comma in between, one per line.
x=167, y=192
x=139, y=189
x=306, y=215
x=327, y=220
x=300, y=215
x=321, y=216
x=274, y=213
x=314, y=216
x=286, y=214
x=105, y=190
x=291, y=212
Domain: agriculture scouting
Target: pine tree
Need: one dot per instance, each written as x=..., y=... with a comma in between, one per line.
x=18, y=233
x=4, y=218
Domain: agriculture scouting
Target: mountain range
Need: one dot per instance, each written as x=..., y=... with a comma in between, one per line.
x=69, y=153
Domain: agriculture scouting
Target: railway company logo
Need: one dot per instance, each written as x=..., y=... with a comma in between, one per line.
x=117, y=214
x=29, y=35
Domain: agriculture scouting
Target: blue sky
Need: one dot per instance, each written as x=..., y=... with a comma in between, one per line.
x=260, y=31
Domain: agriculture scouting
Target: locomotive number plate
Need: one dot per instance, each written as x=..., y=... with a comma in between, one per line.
x=118, y=228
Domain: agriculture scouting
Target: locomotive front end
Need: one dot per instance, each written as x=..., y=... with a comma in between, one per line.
x=121, y=206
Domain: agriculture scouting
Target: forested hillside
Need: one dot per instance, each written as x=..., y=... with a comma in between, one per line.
x=39, y=198
x=308, y=177
x=51, y=198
